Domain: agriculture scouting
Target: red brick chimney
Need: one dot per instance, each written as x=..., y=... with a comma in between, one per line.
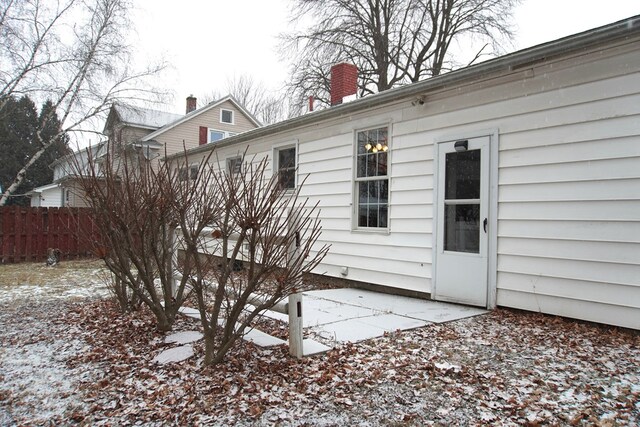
x=191, y=103
x=344, y=82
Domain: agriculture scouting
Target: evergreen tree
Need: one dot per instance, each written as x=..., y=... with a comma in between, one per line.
x=19, y=121
x=41, y=173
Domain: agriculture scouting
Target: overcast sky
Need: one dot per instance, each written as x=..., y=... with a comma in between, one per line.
x=208, y=42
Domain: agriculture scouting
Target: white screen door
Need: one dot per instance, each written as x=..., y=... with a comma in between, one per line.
x=462, y=221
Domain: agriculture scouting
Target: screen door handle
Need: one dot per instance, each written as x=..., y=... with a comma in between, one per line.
x=484, y=225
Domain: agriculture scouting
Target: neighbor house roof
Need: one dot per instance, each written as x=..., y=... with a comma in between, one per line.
x=520, y=59
x=199, y=111
x=43, y=188
x=93, y=149
x=145, y=118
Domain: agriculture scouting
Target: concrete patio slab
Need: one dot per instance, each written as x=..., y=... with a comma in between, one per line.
x=311, y=347
x=352, y=315
x=262, y=339
x=430, y=311
x=190, y=312
x=364, y=328
x=174, y=355
x=393, y=322
x=350, y=330
x=315, y=316
x=276, y=315
x=184, y=337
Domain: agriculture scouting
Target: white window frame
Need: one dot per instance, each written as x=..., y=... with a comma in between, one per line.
x=233, y=116
x=276, y=167
x=356, y=180
x=225, y=134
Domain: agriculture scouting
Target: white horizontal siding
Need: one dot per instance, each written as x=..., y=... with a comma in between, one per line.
x=568, y=184
x=601, y=169
x=581, y=250
x=569, y=208
x=610, y=314
x=594, y=231
x=606, y=210
x=568, y=152
x=625, y=189
x=595, y=292
x=563, y=268
x=404, y=251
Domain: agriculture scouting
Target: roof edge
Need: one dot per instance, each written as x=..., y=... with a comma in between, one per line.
x=564, y=45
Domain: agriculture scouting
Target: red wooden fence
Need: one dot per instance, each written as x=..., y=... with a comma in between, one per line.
x=26, y=233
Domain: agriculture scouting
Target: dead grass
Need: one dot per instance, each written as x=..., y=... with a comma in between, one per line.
x=37, y=273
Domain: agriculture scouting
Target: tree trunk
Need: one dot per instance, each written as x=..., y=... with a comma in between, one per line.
x=209, y=348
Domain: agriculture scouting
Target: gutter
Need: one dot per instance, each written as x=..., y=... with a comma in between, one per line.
x=617, y=30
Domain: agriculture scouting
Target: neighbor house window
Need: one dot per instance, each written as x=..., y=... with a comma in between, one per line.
x=217, y=135
x=285, y=166
x=372, y=180
x=226, y=116
x=234, y=166
x=187, y=173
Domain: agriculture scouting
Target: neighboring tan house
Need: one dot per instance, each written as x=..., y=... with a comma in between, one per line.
x=208, y=125
x=514, y=182
x=134, y=133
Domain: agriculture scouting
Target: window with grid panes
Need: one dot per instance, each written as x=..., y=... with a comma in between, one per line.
x=372, y=181
x=286, y=167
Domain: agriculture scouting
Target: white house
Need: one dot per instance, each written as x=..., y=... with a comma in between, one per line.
x=514, y=182
x=47, y=196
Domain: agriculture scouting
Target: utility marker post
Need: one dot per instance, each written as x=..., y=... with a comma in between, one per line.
x=295, y=300
x=295, y=325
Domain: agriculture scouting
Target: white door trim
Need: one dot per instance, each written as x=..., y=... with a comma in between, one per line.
x=492, y=234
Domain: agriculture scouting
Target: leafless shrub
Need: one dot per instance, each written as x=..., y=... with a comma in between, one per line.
x=244, y=216
x=134, y=216
x=212, y=221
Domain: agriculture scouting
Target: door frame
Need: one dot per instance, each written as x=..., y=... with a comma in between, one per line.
x=492, y=235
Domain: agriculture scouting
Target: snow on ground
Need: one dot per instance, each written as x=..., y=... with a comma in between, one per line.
x=36, y=384
x=65, y=362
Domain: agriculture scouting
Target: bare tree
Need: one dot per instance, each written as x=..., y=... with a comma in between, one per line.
x=72, y=53
x=266, y=106
x=393, y=42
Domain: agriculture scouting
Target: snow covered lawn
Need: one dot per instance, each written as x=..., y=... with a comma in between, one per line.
x=69, y=358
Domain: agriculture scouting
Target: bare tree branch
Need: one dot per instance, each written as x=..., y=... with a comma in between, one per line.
x=71, y=53
x=266, y=106
x=392, y=42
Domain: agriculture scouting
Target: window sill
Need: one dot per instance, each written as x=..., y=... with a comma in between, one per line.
x=379, y=231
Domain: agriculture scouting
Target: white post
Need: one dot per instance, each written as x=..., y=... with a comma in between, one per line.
x=295, y=325
x=295, y=299
x=173, y=264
